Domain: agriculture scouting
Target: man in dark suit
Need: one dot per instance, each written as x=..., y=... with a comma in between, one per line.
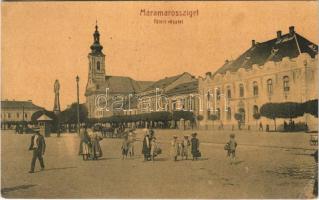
x=38, y=147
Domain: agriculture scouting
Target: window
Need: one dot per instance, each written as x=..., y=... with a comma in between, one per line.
x=255, y=109
x=98, y=65
x=228, y=113
x=286, y=83
x=241, y=90
x=9, y=115
x=255, y=88
x=218, y=94
x=228, y=92
x=269, y=86
x=18, y=115
x=25, y=115
x=218, y=113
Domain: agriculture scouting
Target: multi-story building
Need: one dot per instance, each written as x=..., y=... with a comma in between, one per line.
x=167, y=94
x=283, y=69
x=17, y=111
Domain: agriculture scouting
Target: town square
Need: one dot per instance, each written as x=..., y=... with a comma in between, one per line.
x=172, y=100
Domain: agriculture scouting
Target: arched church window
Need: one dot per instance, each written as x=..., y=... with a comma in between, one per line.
x=98, y=67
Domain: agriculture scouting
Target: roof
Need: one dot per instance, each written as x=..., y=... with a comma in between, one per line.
x=125, y=85
x=19, y=105
x=184, y=88
x=162, y=83
x=44, y=117
x=289, y=45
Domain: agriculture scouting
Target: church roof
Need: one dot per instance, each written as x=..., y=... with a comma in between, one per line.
x=125, y=85
x=289, y=45
x=7, y=104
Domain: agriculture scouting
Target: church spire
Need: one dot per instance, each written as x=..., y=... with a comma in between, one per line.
x=96, y=47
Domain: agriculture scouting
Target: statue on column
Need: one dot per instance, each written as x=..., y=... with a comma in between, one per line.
x=56, y=108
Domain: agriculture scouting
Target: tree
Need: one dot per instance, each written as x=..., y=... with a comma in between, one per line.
x=311, y=107
x=69, y=115
x=281, y=110
x=270, y=111
x=213, y=117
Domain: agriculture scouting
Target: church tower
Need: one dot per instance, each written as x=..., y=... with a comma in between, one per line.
x=96, y=62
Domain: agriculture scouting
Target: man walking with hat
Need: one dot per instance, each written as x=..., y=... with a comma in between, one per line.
x=38, y=147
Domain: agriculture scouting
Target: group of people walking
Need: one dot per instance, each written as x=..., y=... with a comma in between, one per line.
x=150, y=148
x=90, y=143
x=184, y=147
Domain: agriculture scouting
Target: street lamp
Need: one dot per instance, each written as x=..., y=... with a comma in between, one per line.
x=78, y=104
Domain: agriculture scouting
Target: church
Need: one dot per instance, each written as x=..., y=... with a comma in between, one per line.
x=102, y=90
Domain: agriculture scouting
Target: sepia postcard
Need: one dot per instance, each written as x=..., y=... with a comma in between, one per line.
x=159, y=99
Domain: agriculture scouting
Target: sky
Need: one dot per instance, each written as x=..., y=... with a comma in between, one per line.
x=45, y=41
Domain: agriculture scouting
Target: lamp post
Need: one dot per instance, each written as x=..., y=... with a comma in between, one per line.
x=78, y=104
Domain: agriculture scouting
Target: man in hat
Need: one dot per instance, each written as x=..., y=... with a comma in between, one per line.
x=38, y=147
x=195, y=147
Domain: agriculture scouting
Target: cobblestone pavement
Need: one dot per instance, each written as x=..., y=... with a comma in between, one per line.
x=268, y=165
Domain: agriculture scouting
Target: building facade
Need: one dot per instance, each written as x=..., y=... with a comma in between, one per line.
x=284, y=69
x=17, y=111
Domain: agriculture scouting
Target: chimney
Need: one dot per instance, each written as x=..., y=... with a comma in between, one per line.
x=278, y=35
x=291, y=30
x=253, y=43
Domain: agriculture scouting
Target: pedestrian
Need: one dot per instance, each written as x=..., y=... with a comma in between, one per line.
x=174, y=148
x=86, y=144
x=131, y=140
x=95, y=139
x=261, y=127
x=125, y=147
x=186, y=147
x=315, y=186
x=195, y=147
x=153, y=152
x=146, y=146
x=38, y=147
x=232, y=145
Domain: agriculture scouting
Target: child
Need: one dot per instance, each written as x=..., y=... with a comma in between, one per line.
x=153, y=148
x=186, y=144
x=232, y=144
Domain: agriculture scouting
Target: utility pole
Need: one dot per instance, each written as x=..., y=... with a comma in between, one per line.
x=78, y=104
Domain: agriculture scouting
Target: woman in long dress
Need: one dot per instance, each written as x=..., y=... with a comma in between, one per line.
x=146, y=147
x=96, y=150
x=85, y=145
x=174, y=148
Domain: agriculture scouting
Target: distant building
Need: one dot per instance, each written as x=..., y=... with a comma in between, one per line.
x=17, y=111
x=283, y=69
x=103, y=91
x=167, y=94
